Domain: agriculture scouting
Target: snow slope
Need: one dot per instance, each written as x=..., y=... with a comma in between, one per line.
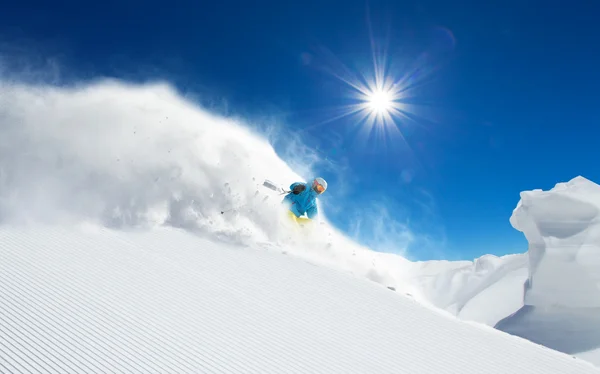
x=562, y=294
x=89, y=299
x=126, y=156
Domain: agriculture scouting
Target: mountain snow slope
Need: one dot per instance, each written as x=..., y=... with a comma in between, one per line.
x=136, y=157
x=561, y=304
x=89, y=299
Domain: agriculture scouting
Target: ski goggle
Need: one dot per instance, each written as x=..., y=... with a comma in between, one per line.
x=318, y=187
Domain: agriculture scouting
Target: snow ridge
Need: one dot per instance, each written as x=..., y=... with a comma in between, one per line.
x=561, y=306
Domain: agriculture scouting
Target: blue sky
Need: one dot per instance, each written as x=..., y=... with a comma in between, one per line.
x=502, y=96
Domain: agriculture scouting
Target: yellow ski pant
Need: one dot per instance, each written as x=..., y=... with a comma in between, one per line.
x=298, y=220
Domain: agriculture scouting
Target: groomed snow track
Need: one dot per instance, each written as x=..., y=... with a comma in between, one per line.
x=91, y=300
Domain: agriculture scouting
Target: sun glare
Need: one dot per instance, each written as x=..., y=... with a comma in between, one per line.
x=380, y=101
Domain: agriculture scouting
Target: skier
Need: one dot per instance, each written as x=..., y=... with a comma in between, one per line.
x=303, y=199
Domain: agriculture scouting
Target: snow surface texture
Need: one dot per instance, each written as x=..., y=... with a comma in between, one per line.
x=89, y=299
x=142, y=156
x=562, y=294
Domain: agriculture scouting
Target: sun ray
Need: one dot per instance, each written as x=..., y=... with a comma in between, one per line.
x=383, y=94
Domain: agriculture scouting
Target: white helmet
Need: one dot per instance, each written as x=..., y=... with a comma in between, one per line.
x=319, y=185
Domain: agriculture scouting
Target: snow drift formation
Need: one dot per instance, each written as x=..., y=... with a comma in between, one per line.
x=484, y=290
x=562, y=293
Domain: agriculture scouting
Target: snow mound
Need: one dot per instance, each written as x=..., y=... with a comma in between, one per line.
x=87, y=299
x=471, y=289
x=561, y=305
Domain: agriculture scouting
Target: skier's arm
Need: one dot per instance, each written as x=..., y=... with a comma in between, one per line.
x=312, y=212
x=297, y=187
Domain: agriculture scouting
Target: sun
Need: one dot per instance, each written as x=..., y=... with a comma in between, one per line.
x=380, y=101
x=381, y=98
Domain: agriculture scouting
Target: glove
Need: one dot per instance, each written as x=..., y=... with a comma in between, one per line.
x=298, y=189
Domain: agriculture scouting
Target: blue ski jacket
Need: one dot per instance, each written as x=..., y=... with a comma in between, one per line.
x=304, y=202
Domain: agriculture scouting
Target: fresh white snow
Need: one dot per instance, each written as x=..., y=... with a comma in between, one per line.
x=114, y=249
x=561, y=305
x=86, y=299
